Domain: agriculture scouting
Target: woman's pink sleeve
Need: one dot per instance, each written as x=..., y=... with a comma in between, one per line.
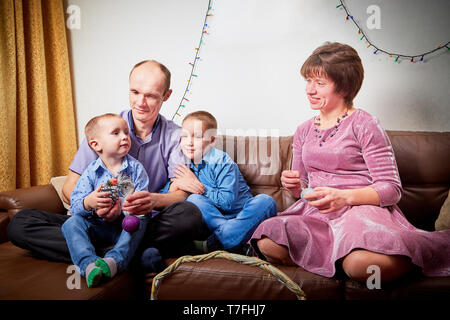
x=297, y=146
x=380, y=160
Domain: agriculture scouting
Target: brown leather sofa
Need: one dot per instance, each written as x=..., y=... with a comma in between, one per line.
x=423, y=161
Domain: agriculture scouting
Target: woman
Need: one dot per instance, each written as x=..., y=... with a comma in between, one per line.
x=351, y=219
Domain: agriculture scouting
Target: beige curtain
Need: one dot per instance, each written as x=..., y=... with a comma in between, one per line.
x=37, y=122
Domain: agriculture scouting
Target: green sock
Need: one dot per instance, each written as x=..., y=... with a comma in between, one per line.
x=104, y=267
x=108, y=266
x=93, y=277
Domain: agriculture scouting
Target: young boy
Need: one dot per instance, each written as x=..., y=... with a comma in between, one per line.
x=108, y=136
x=218, y=187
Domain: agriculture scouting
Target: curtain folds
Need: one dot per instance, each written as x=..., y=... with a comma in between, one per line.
x=37, y=119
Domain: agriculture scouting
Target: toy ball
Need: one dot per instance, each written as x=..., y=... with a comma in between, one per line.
x=305, y=192
x=130, y=223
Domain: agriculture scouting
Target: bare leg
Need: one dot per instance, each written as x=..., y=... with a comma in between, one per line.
x=392, y=267
x=274, y=252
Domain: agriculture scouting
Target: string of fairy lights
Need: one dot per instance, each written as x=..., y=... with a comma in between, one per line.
x=193, y=63
x=412, y=58
x=341, y=5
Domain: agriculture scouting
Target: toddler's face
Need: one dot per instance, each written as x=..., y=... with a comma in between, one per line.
x=114, y=138
x=193, y=141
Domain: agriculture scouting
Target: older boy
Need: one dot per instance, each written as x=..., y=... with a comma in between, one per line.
x=108, y=136
x=217, y=186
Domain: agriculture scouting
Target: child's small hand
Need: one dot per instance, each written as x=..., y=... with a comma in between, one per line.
x=186, y=180
x=110, y=214
x=173, y=186
x=97, y=200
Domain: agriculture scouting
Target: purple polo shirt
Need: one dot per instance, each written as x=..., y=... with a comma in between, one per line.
x=158, y=154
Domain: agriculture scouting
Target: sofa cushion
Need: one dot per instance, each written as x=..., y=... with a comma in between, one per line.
x=443, y=221
x=42, y=197
x=421, y=204
x=411, y=287
x=221, y=279
x=23, y=277
x=57, y=183
x=422, y=159
x=261, y=161
x=218, y=279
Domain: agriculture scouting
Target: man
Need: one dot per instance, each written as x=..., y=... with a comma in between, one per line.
x=155, y=143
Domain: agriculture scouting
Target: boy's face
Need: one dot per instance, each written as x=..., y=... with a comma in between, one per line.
x=112, y=138
x=194, y=141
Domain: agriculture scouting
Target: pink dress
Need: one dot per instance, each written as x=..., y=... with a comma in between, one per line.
x=358, y=155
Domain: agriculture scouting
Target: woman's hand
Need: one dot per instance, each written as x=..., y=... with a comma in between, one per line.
x=140, y=202
x=328, y=199
x=290, y=180
x=186, y=180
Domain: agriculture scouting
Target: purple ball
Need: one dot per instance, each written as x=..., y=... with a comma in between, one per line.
x=130, y=223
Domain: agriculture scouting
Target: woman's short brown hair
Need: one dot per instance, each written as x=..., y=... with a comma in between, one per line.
x=341, y=64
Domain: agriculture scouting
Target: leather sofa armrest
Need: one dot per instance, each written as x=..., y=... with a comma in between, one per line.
x=38, y=197
x=4, y=221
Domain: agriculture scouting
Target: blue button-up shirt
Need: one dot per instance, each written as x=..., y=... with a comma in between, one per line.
x=159, y=153
x=97, y=173
x=224, y=184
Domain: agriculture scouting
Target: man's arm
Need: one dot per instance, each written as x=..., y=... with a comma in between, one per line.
x=69, y=185
x=143, y=202
x=163, y=200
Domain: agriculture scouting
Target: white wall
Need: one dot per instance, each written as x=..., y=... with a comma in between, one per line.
x=248, y=76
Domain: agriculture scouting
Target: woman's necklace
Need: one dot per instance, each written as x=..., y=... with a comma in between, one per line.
x=319, y=133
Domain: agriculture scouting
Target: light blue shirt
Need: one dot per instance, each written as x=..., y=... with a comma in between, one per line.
x=97, y=173
x=224, y=184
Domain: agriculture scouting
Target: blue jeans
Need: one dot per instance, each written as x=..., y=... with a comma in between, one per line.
x=82, y=234
x=232, y=229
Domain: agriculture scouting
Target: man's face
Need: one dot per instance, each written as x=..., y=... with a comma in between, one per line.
x=147, y=92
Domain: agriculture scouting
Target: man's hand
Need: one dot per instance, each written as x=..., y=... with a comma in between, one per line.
x=186, y=180
x=97, y=200
x=140, y=202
